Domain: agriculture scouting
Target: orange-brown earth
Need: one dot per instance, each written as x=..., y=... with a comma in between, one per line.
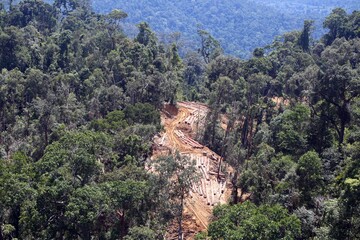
x=180, y=124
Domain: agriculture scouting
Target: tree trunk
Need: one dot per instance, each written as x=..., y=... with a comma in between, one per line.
x=122, y=227
x=250, y=136
x=15, y=220
x=46, y=135
x=341, y=133
x=345, y=118
x=244, y=132
x=219, y=167
x=260, y=116
x=180, y=237
x=224, y=147
x=1, y=232
x=234, y=191
x=241, y=196
x=213, y=129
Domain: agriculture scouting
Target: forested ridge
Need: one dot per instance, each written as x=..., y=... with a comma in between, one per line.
x=239, y=25
x=80, y=104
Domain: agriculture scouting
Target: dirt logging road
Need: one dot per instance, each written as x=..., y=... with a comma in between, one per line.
x=181, y=124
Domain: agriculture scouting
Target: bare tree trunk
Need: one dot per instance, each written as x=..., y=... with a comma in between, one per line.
x=46, y=132
x=213, y=128
x=219, y=166
x=250, y=136
x=244, y=132
x=234, y=192
x=224, y=146
x=345, y=118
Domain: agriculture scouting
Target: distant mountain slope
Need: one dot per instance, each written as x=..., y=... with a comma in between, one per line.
x=240, y=25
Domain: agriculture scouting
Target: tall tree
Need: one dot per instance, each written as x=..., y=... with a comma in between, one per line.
x=209, y=47
x=335, y=22
x=179, y=173
x=338, y=83
x=304, y=40
x=310, y=171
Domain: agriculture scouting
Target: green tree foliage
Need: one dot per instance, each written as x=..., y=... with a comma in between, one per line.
x=142, y=114
x=145, y=36
x=78, y=153
x=79, y=107
x=73, y=186
x=113, y=122
x=290, y=129
x=247, y=221
x=57, y=76
x=340, y=24
x=339, y=83
x=310, y=173
x=304, y=40
x=16, y=193
x=84, y=208
x=234, y=23
x=347, y=224
x=116, y=16
x=141, y=233
x=178, y=173
x=65, y=70
x=255, y=176
x=292, y=116
x=210, y=47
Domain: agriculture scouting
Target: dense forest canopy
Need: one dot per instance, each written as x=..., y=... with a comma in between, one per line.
x=239, y=25
x=80, y=104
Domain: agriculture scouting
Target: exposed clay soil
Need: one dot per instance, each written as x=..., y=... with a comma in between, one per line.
x=179, y=129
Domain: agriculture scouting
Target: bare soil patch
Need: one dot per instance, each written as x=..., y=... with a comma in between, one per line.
x=180, y=124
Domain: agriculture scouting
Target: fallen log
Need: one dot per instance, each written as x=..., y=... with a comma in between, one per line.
x=211, y=194
x=201, y=193
x=204, y=188
x=222, y=175
x=205, y=173
x=207, y=165
x=223, y=186
x=214, y=184
x=195, y=142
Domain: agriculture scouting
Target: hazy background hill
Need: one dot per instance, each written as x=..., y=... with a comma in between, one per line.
x=240, y=25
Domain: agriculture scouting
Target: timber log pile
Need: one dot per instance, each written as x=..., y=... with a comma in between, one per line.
x=197, y=115
x=209, y=186
x=187, y=140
